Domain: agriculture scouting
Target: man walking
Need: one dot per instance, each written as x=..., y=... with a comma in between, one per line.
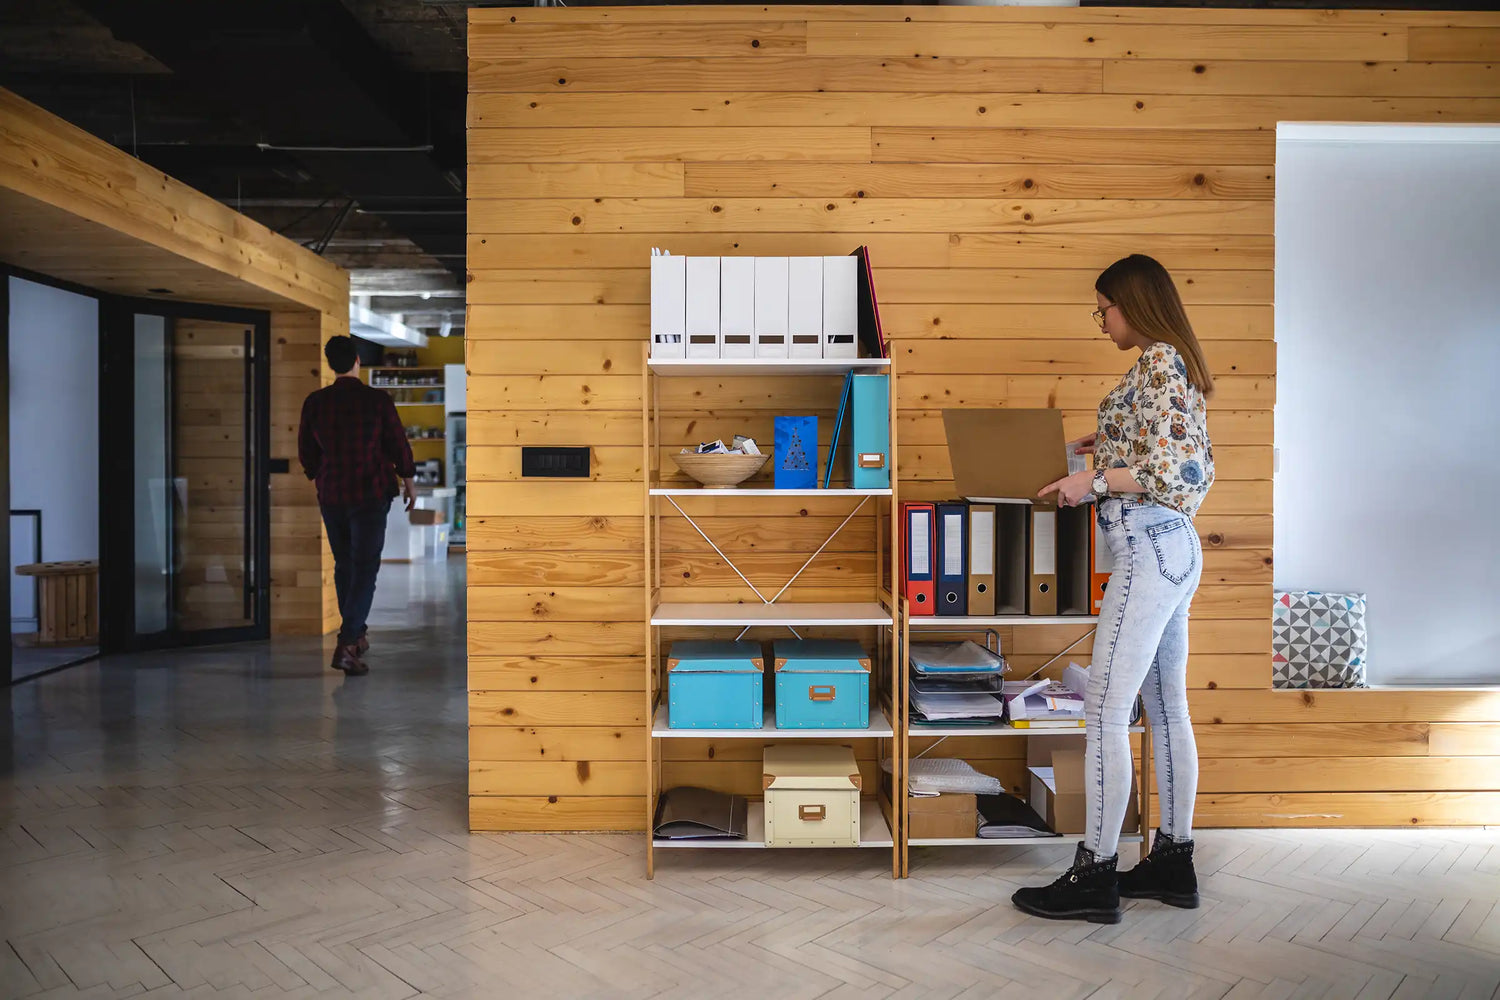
x=352, y=444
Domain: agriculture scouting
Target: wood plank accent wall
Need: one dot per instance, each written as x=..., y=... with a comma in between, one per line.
x=77, y=208
x=994, y=159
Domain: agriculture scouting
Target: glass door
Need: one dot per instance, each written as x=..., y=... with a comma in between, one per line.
x=187, y=558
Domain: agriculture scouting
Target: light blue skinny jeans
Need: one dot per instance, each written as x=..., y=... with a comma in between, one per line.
x=1142, y=647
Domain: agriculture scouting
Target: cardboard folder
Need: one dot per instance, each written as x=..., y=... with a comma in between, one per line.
x=1012, y=535
x=668, y=306
x=805, y=307
x=737, y=307
x=1075, y=536
x=1041, y=561
x=918, y=551
x=952, y=559
x=870, y=431
x=771, y=307
x=840, y=307
x=1008, y=455
x=982, y=559
x=702, y=307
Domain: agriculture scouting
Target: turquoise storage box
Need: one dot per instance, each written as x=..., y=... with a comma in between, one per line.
x=821, y=684
x=715, y=684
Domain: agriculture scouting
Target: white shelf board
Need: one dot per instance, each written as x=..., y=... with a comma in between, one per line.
x=709, y=367
x=1067, y=840
x=920, y=732
x=880, y=728
x=873, y=831
x=961, y=622
x=770, y=614
x=735, y=491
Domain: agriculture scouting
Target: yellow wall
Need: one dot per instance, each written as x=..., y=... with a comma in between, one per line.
x=994, y=159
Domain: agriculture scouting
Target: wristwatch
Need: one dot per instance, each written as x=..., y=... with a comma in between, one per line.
x=1101, y=485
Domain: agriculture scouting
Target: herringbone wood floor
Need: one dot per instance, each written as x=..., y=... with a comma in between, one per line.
x=242, y=822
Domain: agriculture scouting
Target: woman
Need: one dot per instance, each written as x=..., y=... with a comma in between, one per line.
x=1153, y=464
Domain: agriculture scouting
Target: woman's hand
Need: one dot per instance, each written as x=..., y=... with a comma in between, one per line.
x=1083, y=445
x=1070, y=489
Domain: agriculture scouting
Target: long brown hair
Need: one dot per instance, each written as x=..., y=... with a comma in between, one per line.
x=1147, y=298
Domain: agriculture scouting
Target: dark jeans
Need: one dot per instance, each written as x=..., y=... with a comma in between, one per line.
x=356, y=534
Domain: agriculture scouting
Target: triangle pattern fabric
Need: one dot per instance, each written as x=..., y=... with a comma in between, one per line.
x=1318, y=640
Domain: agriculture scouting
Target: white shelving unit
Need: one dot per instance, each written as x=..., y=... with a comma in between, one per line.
x=879, y=825
x=699, y=491
x=771, y=614
x=1001, y=729
x=1063, y=840
x=880, y=728
x=908, y=732
x=874, y=831
x=762, y=367
x=959, y=624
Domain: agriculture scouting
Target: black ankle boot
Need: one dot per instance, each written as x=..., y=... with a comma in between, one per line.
x=1165, y=874
x=1085, y=892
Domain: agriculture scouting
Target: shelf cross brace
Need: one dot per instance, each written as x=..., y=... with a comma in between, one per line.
x=800, y=570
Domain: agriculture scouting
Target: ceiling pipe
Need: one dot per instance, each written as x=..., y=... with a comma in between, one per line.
x=343, y=149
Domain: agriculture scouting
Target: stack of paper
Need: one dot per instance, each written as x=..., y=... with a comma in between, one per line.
x=956, y=682
x=958, y=706
x=1043, y=704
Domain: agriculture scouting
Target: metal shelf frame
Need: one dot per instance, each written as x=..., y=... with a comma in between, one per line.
x=880, y=822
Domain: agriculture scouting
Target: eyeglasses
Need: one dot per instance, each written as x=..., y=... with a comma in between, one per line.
x=1098, y=314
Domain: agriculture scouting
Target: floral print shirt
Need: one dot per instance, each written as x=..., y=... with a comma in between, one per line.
x=1155, y=423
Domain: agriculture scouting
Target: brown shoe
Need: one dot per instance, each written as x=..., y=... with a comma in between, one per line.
x=346, y=658
x=363, y=644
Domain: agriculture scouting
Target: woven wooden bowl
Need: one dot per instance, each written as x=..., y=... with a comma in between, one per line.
x=720, y=472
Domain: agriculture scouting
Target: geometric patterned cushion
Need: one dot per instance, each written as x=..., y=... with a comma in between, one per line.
x=1318, y=640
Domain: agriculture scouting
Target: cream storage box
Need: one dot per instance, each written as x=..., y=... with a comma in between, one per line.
x=812, y=796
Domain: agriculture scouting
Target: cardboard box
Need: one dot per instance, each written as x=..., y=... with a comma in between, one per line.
x=1004, y=457
x=812, y=795
x=424, y=516
x=948, y=816
x=1057, y=795
x=1006, y=454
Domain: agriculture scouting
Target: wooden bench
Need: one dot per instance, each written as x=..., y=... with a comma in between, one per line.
x=67, y=601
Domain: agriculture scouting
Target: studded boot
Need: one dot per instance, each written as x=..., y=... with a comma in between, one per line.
x=1166, y=874
x=1084, y=892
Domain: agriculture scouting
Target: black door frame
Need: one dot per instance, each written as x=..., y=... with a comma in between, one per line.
x=8, y=271
x=117, y=466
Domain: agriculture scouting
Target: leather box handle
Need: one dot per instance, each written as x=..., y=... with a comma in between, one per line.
x=812, y=814
x=821, y=692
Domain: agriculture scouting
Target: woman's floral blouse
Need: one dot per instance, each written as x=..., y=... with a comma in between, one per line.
x=1156, y=424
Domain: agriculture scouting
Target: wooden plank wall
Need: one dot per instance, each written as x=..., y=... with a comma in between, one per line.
x=302, y=596
x=994, y=159
x=209, y=453
x=77, y=208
